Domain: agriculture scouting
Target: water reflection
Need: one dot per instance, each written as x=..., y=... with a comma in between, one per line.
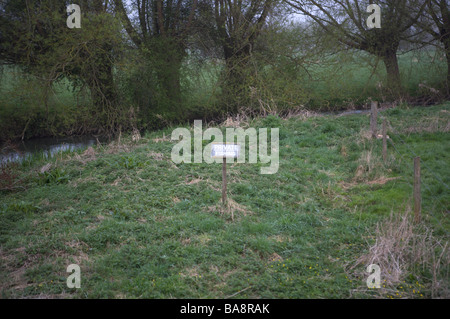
x=47, y=147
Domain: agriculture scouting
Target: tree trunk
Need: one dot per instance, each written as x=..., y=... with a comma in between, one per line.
x=100, y=80
x=103, y=87
x=447, y=53
x=393, y=73
x=171, y=79
x=448, y=72
x=236, y=89
x=168, y=63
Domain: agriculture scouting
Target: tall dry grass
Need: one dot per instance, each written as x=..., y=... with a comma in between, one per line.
x=404, y=250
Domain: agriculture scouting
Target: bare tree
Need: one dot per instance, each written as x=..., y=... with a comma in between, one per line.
x=347, y=21
x=239, y=23
x=436, y=22
x=160, y=30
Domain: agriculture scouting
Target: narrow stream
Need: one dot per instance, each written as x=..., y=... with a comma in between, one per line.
x=47, y=146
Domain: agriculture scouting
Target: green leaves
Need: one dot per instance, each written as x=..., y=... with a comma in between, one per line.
x=54, y=176
x=129, y=161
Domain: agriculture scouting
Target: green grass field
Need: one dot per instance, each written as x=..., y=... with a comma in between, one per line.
x=140, y=226
x=350, y=80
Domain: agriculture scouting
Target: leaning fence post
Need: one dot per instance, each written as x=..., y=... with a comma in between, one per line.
x=384, y=141
x=417, y=197
x=373, y=119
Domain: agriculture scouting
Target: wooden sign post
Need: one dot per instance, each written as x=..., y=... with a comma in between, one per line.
x=384, y=141
x=224, y=182
x=225, y=151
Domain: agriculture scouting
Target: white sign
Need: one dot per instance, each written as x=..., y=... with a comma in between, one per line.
x=225, y=150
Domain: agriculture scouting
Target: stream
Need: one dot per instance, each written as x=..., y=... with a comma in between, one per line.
x=47, y=146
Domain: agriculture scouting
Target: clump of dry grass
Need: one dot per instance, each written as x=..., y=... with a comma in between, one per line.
x=164, y=138
x=402, y=249
x=87, y=156
x=156, y=156
x=275, y=258
x=241, y=119
x=429, y=125
x=365, y=135
x=9, y=177
x=230, y=208
x=371, y=168
x=117, y=147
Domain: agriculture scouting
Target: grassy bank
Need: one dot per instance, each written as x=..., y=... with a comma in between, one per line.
x=140, y=226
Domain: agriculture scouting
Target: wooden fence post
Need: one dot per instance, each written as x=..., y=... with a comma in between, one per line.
x=384, y=141
x=417, y=195
x=373, y=119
